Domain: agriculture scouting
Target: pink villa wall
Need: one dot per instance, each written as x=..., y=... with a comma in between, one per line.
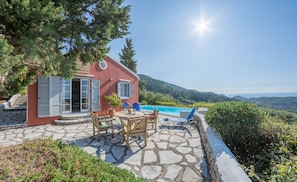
x=32, y=118
x=108, y=84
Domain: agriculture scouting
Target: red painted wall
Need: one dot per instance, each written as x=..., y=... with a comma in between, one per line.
x=32, y=117
x=108, y=82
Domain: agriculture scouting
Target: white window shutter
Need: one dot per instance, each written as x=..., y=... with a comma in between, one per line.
x=49, y=99
x=130, y=90
x=95, y=100
x=119, y=89
x=55, y=97
x=43, y=97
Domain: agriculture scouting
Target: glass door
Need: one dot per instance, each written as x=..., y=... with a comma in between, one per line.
x=66, y=96
x=85, y=95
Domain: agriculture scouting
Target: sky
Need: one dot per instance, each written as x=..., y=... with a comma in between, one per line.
x=222, y=46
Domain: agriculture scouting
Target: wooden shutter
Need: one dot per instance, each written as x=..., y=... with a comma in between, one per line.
x=55, y=97
x=49, y=96
x=119, y=89
x=95, y=99
x=130, y=90
x=43, y=97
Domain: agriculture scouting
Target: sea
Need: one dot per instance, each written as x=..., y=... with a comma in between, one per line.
x=257, y=95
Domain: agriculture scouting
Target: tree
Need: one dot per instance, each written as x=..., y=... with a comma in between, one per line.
x=127, y=56
x=49, y=36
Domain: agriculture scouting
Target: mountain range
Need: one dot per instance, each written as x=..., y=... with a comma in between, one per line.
x=186, y=96
x=189, y=96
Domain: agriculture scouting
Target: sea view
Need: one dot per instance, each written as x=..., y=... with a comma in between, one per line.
x=255, y=95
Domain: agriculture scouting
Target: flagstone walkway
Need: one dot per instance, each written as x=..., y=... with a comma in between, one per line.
x=171, y=154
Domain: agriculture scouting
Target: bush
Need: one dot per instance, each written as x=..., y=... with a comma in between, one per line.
x=265, y=142
x=237, y=123
x=45, y=160
x=202, y=104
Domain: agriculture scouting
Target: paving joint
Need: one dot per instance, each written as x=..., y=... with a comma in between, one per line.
x=171, y=154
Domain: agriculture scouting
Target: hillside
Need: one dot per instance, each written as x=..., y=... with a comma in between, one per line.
x=183, y=95
x=284, y=103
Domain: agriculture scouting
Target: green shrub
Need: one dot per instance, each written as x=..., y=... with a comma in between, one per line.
x=278, y=159
x=285, y=116
x=264, y=141
x=202, y=104
x=45, y=160
x=167, y=103
x=237, y=123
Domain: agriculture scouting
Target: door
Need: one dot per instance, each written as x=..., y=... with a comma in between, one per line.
x=66, y=96
x=85, y=95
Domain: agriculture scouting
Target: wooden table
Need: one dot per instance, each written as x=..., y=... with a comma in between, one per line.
x=125, y=114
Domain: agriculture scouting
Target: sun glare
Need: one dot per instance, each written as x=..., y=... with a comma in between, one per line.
x=202, y=27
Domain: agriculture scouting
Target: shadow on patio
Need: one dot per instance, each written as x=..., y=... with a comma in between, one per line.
x=172, y=153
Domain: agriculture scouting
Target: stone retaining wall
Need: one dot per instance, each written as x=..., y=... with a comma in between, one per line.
x=223, y=165
x=12, y=118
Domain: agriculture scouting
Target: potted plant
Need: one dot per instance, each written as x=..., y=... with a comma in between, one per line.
x=114, y=101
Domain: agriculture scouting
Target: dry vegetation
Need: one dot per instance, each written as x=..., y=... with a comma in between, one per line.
x=47, y=160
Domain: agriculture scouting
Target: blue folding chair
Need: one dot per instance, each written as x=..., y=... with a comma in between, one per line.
x=126, y=105
x=135, y=106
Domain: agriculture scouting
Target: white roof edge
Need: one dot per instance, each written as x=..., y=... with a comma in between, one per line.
x=119, y=63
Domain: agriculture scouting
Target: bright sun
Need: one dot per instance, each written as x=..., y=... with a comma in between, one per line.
x=202, y=27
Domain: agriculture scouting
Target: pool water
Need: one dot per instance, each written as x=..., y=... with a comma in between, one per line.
x=165, y=109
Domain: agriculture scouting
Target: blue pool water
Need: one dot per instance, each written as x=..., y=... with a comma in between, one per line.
x=165, y=109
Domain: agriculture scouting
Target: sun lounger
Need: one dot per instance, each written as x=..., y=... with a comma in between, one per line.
x=179, y=121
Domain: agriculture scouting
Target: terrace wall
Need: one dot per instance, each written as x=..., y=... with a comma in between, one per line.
x=223, y=165
x=12, y=118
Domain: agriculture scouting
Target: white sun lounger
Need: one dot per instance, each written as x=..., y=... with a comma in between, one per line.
x=179, y=121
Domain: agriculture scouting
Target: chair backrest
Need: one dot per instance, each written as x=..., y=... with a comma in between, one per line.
x=135, y=106
x=191, y=114
x=137, y=125
x=126, y=105
x=95, y=119
x=154, y=115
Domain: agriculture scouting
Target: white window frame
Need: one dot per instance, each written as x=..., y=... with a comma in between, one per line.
x=125, y=89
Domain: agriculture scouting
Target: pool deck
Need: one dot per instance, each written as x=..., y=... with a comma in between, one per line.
x=173, y=153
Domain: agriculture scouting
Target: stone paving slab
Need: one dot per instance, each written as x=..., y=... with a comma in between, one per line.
x=172, y=153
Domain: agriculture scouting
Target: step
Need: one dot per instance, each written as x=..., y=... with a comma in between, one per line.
x=20, y=101
x=74, y=121
x=75, y=116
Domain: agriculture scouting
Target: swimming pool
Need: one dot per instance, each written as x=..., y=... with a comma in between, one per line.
x=165, y=109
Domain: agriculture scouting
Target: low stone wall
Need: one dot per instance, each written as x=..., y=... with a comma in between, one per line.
x=12, y=118
x=223, y=165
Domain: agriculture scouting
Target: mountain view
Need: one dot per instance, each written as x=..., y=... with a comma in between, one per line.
x=183, y=95
x=188, y=96
x=284, y=103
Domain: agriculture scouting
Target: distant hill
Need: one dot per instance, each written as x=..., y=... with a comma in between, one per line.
x=186, y=96
x=284, y=103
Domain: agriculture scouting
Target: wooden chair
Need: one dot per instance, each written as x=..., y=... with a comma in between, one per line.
x=102, y=123
x=152, y=119
x=134, y=127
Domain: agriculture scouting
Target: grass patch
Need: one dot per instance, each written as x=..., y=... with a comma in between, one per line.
x=47, y=160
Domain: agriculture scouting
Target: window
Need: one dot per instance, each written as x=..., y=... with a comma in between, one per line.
x=125, y=89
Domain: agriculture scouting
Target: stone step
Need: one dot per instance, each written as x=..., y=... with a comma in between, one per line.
x=73, y=121
x=73, y=118
x=20, y=101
